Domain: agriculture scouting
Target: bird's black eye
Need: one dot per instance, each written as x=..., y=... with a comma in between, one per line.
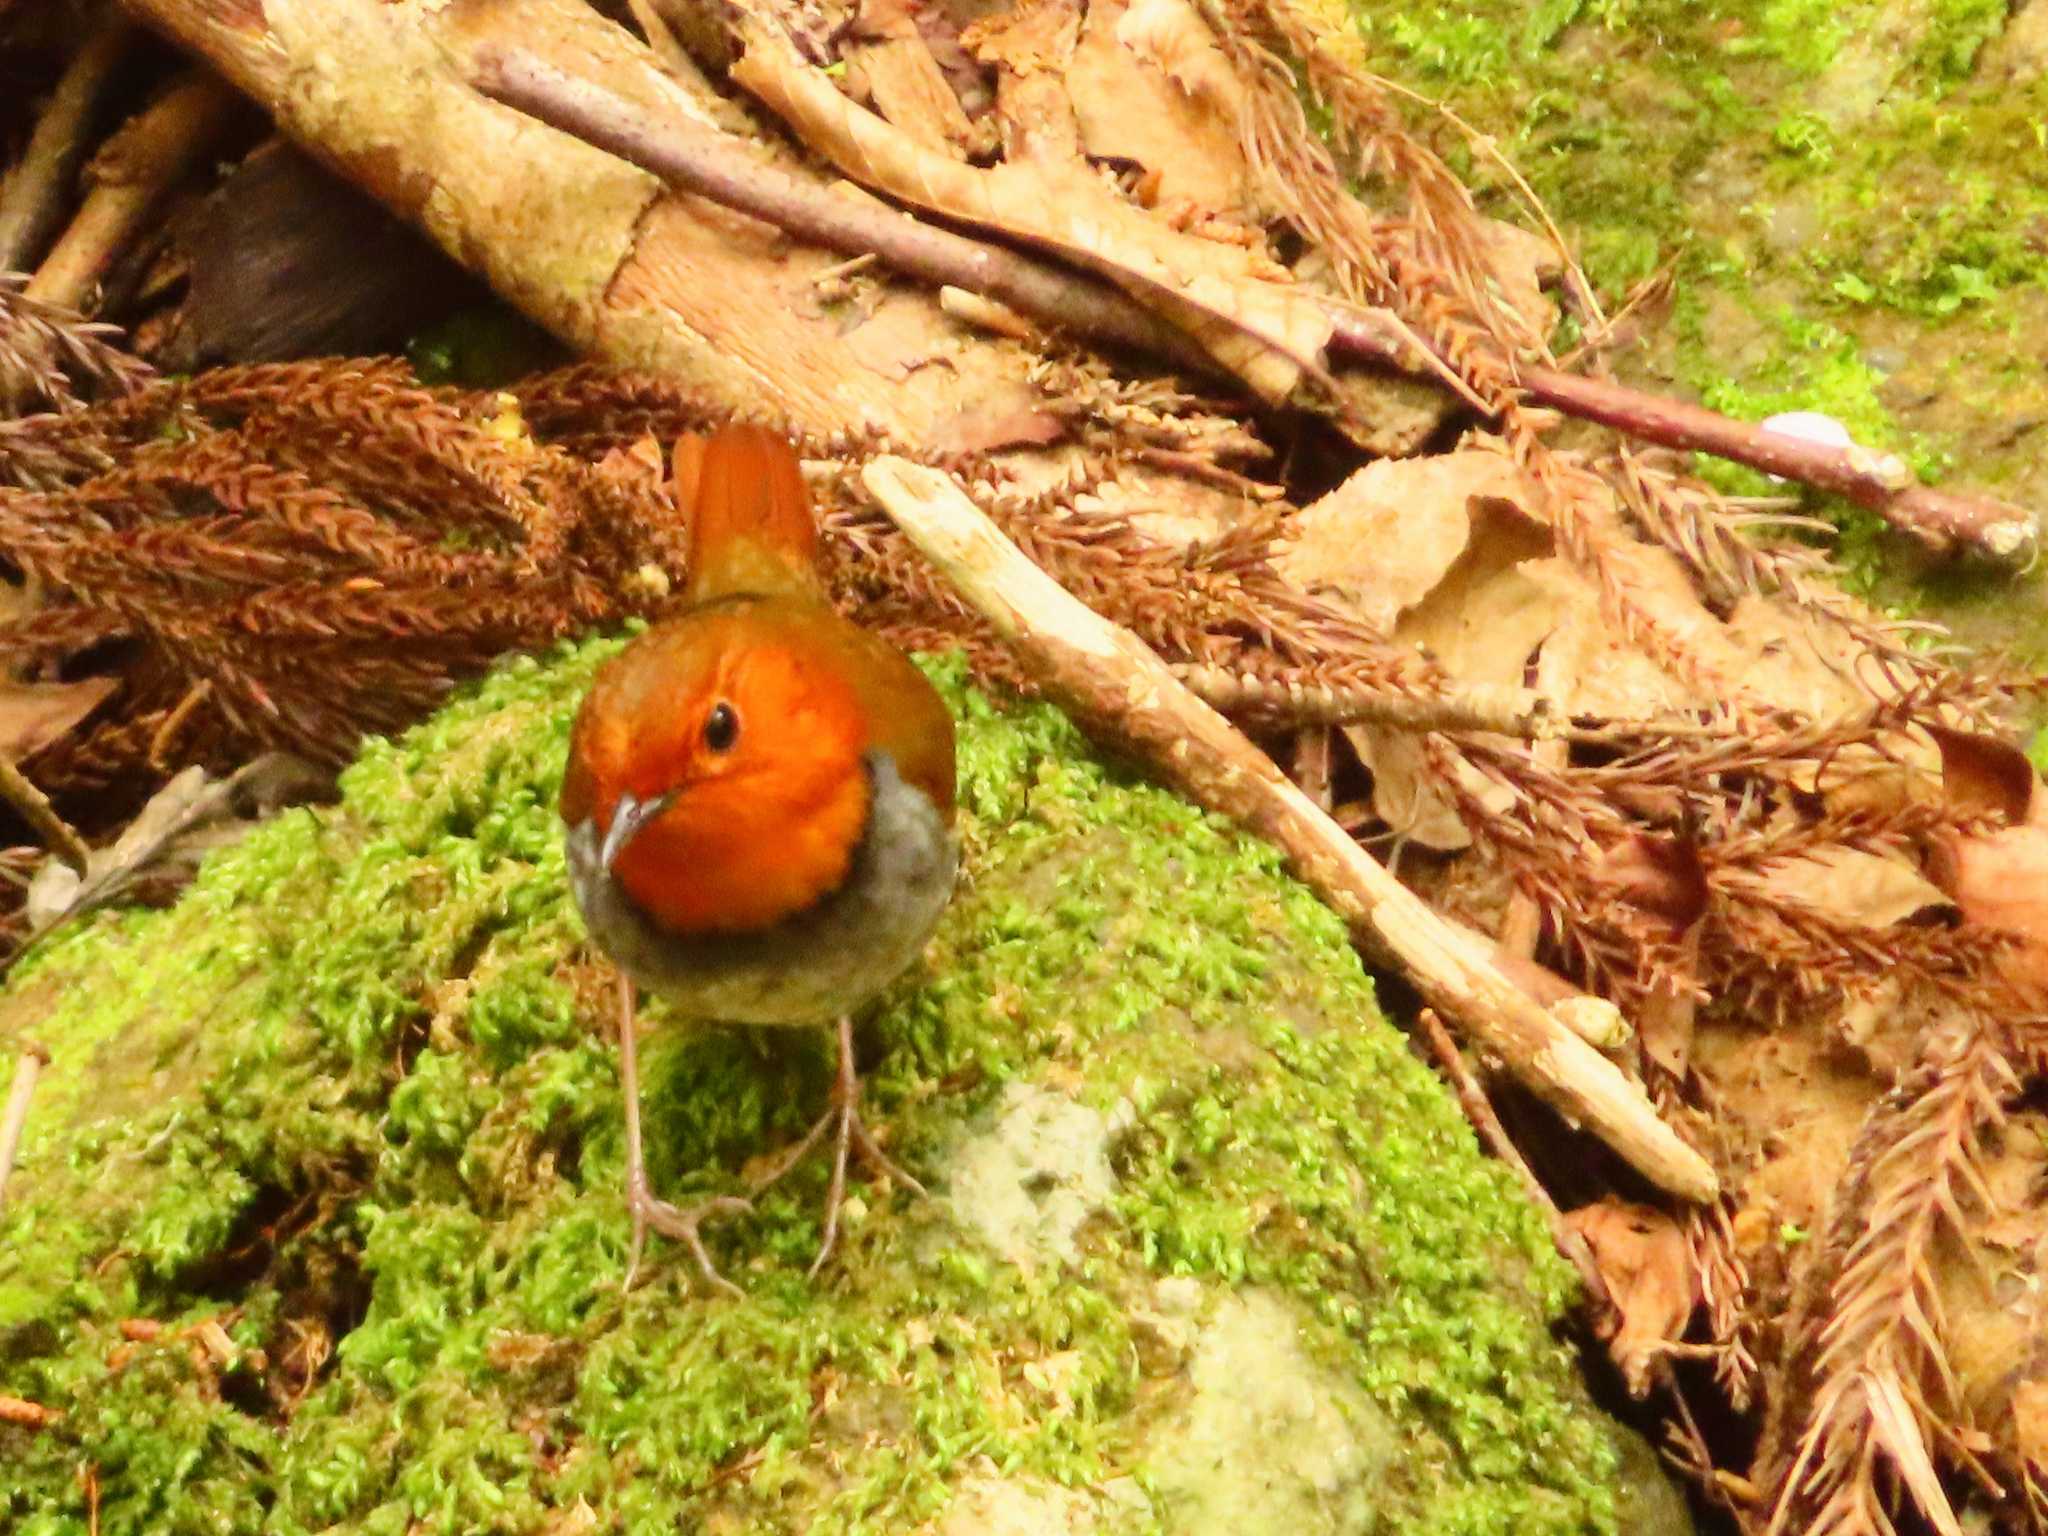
x=721, y=728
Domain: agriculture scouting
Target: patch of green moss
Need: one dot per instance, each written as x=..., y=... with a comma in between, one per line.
x=355, y=1096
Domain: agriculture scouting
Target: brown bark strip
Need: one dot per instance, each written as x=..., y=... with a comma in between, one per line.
x=1110, y=680
x=702, y=161
x=1269, y=334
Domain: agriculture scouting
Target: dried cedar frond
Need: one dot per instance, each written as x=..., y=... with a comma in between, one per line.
x=54, y=357
x=1886, y=1403
x=292, y=555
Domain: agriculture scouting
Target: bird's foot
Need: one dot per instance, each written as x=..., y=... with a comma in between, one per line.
x=682, y=1225
x=850, y=1135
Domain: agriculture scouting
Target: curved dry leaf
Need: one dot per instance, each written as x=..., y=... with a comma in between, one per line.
x=1802, y=663
x=1404, y=795
x=1260, y=330
x=988, y=426
x=2000, y=880
x=33, y=715
x=1865, y=889
x=1586, y=666
x=192, y=815
x=1028, y=39
x=1383, y=539
x=900, y=68
x=1983, y=775
x=1646, y=1264
x=1129, y=108
x=1173, y=36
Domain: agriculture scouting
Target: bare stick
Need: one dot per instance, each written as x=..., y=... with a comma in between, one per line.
x=678, y=148
x=33, y=1059
x=33, y=196
x=19, y=792
x=1494, y=1137
x=1882, y=482
x=1110, y=681
x=150, y=155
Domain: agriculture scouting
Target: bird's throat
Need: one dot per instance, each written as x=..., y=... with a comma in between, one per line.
x=741, y=856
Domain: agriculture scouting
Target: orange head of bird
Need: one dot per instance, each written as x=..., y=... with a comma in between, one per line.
x=723, y=755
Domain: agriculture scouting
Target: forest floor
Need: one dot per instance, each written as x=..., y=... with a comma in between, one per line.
x=1852, y=199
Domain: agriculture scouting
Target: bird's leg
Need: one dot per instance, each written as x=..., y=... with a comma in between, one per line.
x=850, y=1134
x=648, y=1211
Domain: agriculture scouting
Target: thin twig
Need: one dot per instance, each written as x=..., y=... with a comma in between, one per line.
x=19, y=792
x=32, y=198
x=683, y=152
x=30, y=1067
x=1882, y=482
x=1494, y=1136
x=151, y=154
x=1110, y=680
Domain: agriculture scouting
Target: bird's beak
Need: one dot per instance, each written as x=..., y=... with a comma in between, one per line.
x=628, y=817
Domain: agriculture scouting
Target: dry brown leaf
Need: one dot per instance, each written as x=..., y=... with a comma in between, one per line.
x=1587, y=667
x=1803, y=664
x=1865, y=889
x=1263, y=331
x=1643, y=1258
x=638, y=463
x=1383, y=539
x=192, y=815
x=1522, y=264
x=902, y=75
x=1667, y=1020
x=2000, y=880
x=1983, y=775
x=33, y=715
x=1658, y=875
x=1027, y=39
x=1402, y=792
x=1129, y=108
x=983, y=428
x=2030, y=1422
x=1172, y=35
x=1482, y=621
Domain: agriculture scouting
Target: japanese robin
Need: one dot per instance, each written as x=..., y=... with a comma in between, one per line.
x=759, y=802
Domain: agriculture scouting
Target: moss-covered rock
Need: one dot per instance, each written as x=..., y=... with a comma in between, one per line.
x=1210, y=1251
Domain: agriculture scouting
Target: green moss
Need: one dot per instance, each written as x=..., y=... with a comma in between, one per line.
x=357, y=1088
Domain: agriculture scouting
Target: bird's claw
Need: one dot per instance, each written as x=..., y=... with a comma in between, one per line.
x=850, y=1135
x=683, y=1226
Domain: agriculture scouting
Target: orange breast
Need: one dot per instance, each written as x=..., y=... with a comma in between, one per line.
x=741, y=856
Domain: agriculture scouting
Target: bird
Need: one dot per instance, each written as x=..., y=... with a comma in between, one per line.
x=759, y=807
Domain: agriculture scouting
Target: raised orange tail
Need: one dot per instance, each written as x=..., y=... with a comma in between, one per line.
x=751, y=525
